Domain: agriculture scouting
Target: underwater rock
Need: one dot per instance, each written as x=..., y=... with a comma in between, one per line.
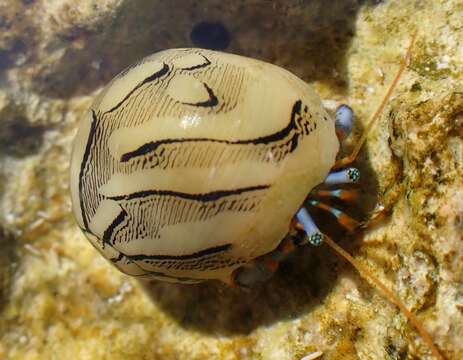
x=61, y=298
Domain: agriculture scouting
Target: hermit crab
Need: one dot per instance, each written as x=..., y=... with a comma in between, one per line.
x=195, y=164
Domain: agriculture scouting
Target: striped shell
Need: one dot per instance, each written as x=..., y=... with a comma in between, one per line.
x=193, y=162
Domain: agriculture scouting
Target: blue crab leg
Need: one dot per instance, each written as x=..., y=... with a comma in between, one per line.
x=315, y=236
x=344, y=219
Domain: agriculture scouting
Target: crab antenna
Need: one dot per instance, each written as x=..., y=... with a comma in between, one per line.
x=349, y=159
x=367, y=275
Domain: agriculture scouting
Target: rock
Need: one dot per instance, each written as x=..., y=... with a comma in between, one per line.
x=60, y=298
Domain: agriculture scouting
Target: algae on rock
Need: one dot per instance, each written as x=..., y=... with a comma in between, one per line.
x=59, y=298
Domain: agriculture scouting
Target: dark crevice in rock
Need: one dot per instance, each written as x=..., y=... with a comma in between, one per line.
x=210, y=35
x=8, y=264
x=18, y=137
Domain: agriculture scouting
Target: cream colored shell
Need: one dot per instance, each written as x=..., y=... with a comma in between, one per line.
x=192, y=162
